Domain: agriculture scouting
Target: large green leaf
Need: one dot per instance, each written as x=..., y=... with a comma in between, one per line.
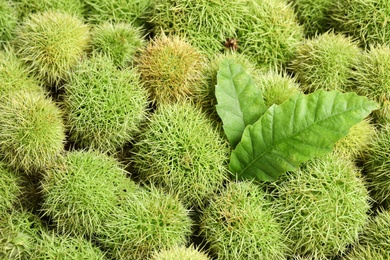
x=303, y=127
x=240, y=102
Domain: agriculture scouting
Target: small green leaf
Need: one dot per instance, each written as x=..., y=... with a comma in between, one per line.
x=303, y=127
x=240, y=102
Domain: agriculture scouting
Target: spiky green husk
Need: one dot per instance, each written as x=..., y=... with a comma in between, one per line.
x=371, y=78
x=212, y=68
x=171, y=69
x=366, y=20
x=53, y=246
x=104, y=106
x=9, y=189
x=82, y=193
x=270, y=33
x=206, y=24
x=27, y=7
x=358, y=140
x=239, y=224
x=120, y=41
x=267, y=31
x=299, y=257
x=19, y=234
x=374, y=243
x=14, y=76
x=51, y=43
x=378, y=166
x=180, y=253
x=99, y=11
x=314, y=15
x=30, y=197
x=325, y=62
x=277, y=87
x=145, y=221
x=182, y=152
x=8, y=21
x=323, y=206
x=206, y=96
x=32, y=132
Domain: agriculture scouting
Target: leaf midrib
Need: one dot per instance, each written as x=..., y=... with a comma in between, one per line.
x=270, y=148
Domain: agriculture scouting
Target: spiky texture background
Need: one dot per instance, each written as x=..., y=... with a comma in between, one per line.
x=99, y=11
x=239, y=224
x=325, y=62
x=19, y=234
x=85, y=55
x=119, y=41
x=181, y=152
x=378, y=165
x=104, y=106
x=32, y=134
x=14, y=75
x=358, y=140
x=277, y=87
x=146, y=220
x=171, y=69
x=8, y=21
x=180, y=253
x=323, y=206
x=371, y=78
x=30, y=197
x=267, y=31
x=27, y=7
x=374, y=242
x=51, y=43
x=54, y=246
x=82, y=193
x=270, y=32
x=206, y=24
x=314, y=15
x=9, y=189
x=365, y=20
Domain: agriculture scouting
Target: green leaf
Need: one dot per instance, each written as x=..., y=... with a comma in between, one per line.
x=303, y=127
x=240, y=102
